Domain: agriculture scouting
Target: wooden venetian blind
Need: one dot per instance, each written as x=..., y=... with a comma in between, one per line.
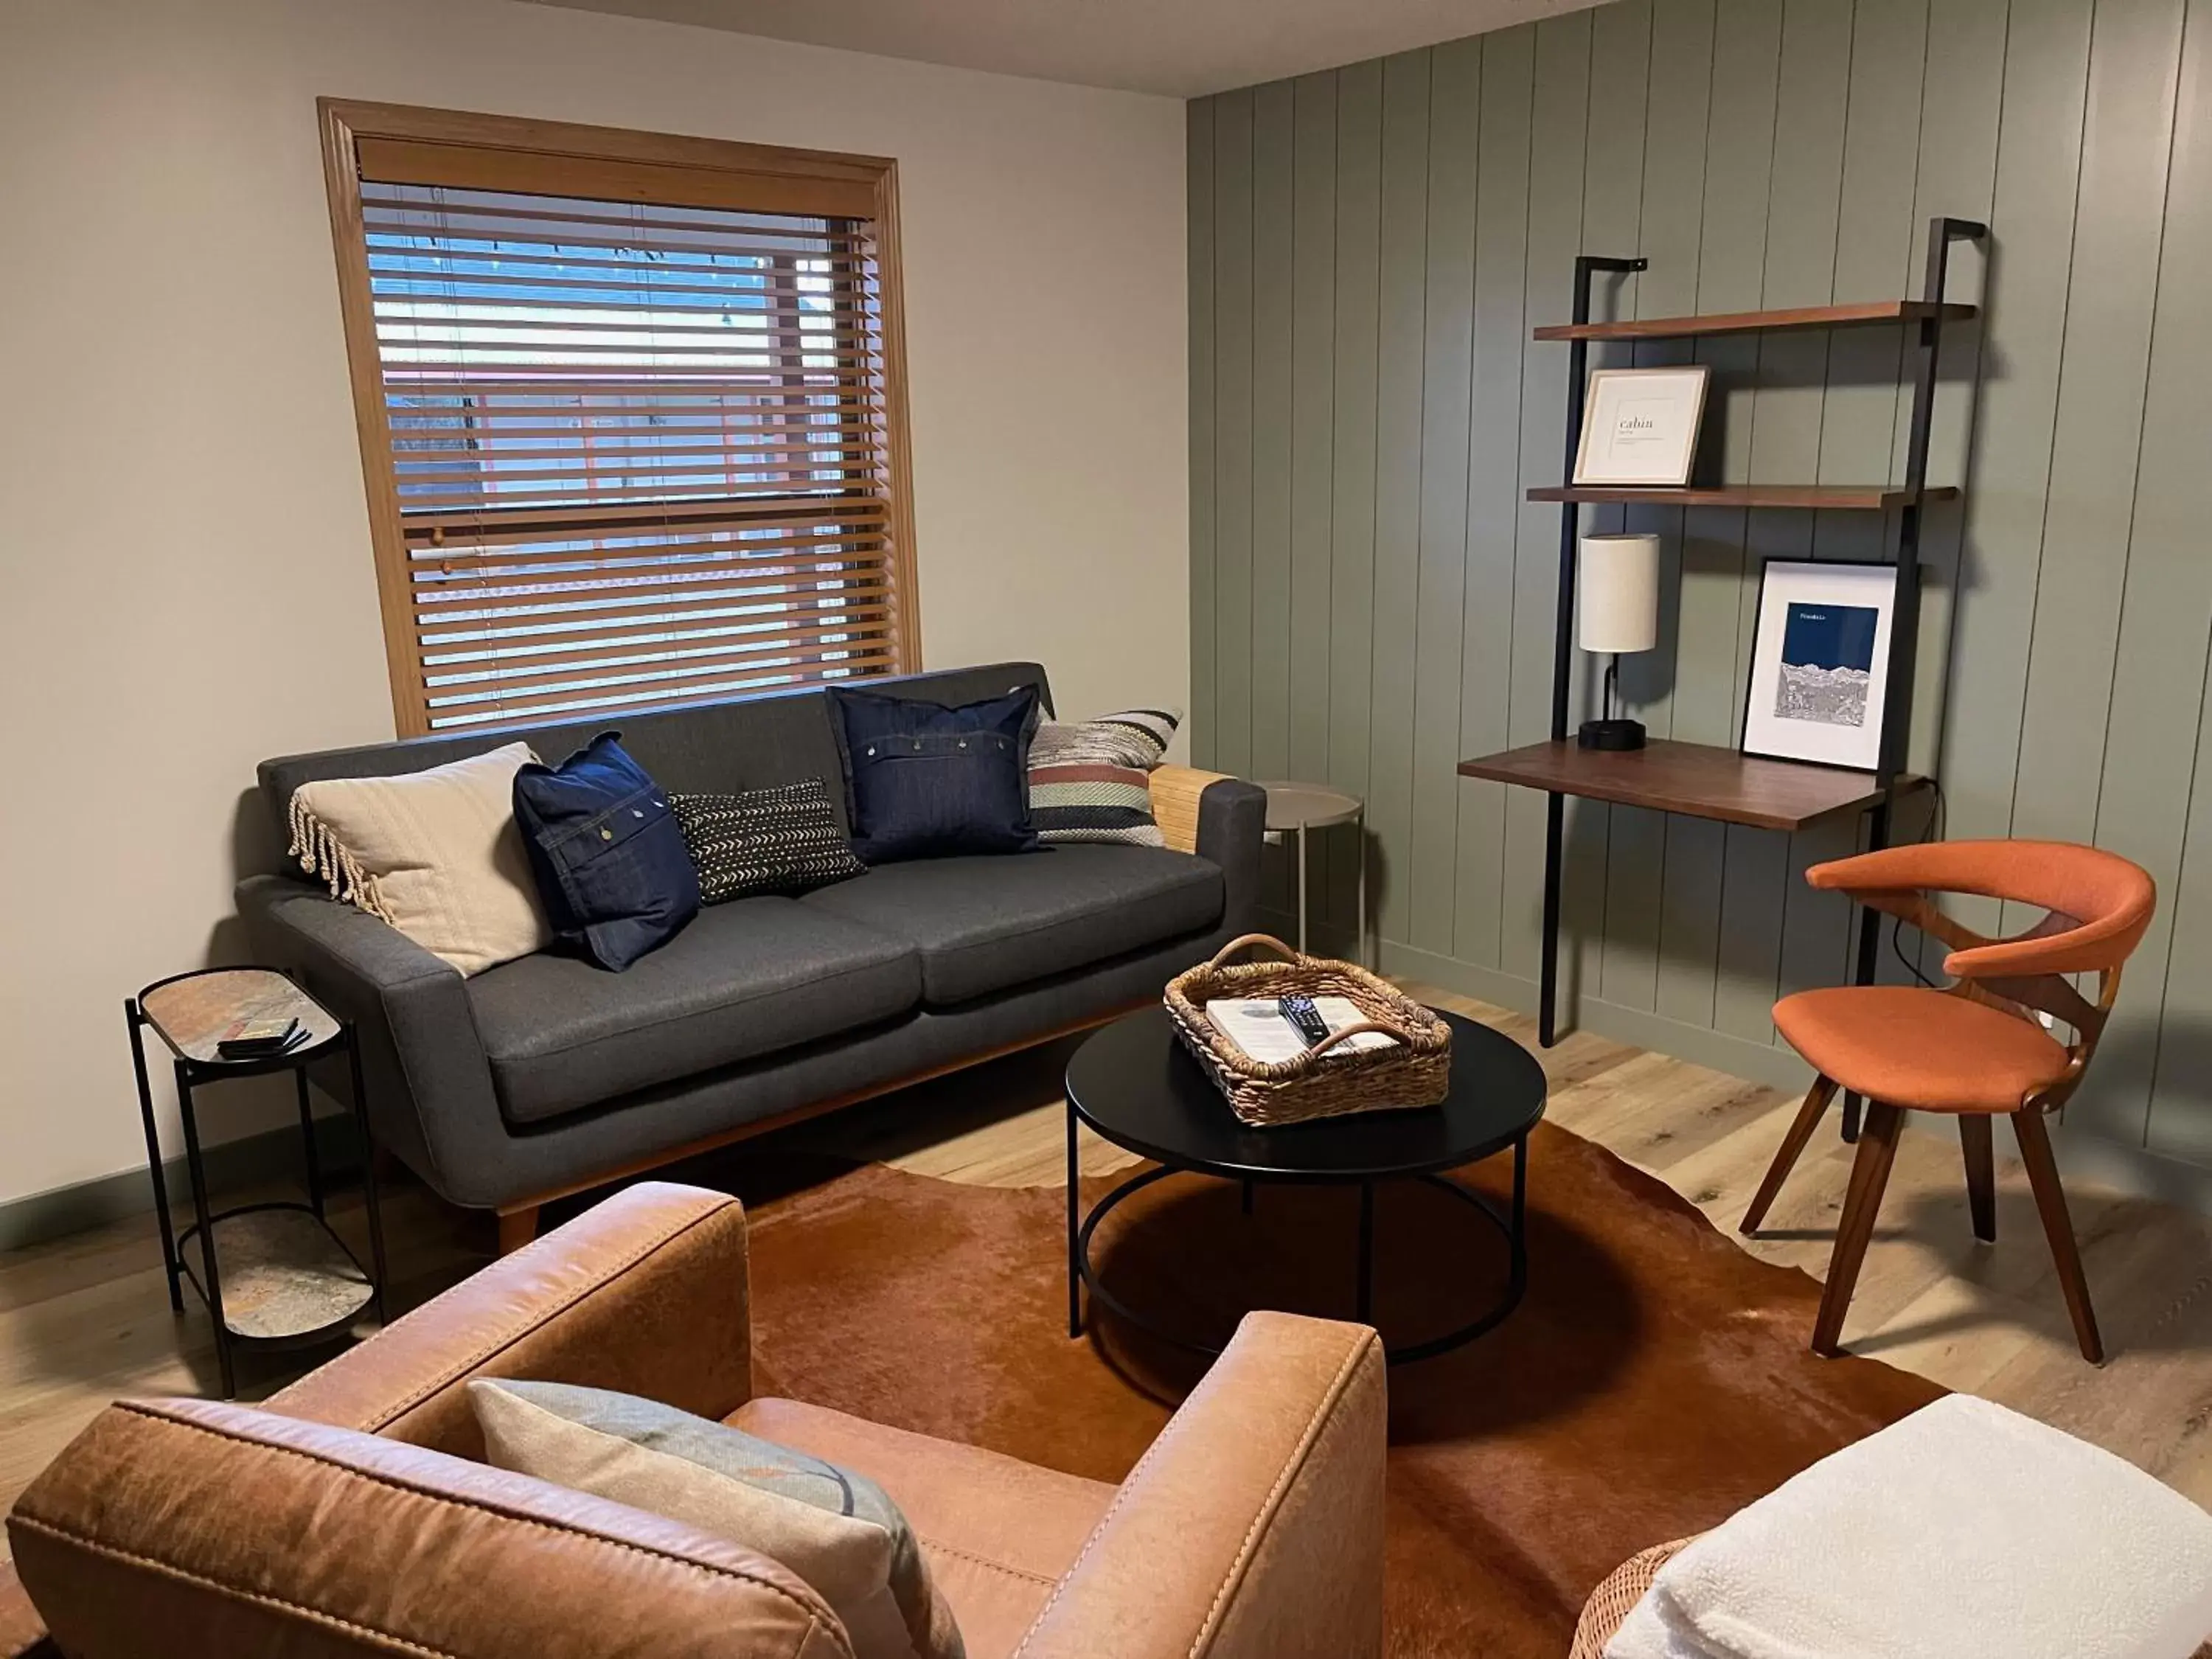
x=636, y=433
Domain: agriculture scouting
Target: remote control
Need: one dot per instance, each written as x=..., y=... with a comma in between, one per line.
x=1305, y=1018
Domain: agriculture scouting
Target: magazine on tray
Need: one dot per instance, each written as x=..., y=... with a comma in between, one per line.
x=1258, y=1027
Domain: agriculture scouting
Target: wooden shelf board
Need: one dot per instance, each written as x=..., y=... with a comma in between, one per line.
x=1757, y=322
x=1841, y=497
x=1694, y=779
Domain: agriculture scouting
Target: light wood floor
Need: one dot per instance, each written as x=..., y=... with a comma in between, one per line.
x=86, y=1319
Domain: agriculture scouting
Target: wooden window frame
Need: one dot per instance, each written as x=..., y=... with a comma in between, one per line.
x=612, y=163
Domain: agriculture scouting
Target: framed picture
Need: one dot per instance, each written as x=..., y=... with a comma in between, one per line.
x=1820, y=663
x=1640, y=426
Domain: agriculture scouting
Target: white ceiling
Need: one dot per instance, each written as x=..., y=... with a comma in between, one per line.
x=1184, y=48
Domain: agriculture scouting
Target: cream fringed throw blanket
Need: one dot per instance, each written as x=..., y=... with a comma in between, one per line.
x=1965, y=1531
x=434, y=854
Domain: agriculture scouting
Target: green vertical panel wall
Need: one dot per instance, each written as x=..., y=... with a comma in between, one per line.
x=1200, y=144
x=1372, y=596
x=1401, y=368
x=1228, y=745
x=1356, y=280
x=1493, y=479
x=1447, y=402
x=2147, y=808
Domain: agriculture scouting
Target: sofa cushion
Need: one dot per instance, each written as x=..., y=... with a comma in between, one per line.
x=982, y=924
x=743, y=979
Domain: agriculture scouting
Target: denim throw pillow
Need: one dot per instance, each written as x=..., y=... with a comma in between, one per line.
x=923, y=780
x=613, y=872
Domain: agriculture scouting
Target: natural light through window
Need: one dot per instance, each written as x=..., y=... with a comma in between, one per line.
x=638, y=450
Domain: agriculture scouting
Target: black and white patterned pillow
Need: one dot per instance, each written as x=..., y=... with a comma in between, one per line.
x=782, y=840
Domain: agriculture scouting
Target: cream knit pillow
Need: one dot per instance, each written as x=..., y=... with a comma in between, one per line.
x=436, y=854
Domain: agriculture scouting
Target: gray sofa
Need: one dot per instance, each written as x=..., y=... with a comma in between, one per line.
x=547, y=1075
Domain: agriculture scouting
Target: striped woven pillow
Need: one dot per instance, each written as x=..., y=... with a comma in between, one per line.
x=1090, y=780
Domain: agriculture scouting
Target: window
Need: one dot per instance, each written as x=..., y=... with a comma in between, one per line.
x=631, y=413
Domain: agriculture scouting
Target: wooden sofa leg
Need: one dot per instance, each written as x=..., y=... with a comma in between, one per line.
x=516, y=1229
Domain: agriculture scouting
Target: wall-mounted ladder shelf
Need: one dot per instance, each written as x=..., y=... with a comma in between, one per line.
x=1700, y=779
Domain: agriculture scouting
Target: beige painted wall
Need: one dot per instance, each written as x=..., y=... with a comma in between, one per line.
x=185, y=574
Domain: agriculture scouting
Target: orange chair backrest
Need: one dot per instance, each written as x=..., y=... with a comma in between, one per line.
x=2099, y=903
x=2096, y=906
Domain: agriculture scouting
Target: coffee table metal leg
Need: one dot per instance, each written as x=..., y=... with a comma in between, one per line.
x=1074, y=1240
x=1366, y=1251
x=1519, y=1242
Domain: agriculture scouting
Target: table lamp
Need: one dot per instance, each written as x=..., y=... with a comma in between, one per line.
x=1617, y=610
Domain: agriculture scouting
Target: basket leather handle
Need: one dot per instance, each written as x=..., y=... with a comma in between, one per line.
x=1244, y=939
x=1360, y=1029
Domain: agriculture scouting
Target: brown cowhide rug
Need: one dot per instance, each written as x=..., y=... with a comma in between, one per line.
x=1655, y=1379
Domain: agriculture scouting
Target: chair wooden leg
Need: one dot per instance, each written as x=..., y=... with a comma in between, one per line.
x=1976, y=1141
x=1792, y=1145
x=1861, y=1202
x=2050, y=1203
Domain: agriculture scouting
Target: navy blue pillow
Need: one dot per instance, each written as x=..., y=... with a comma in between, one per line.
x=923, y=780
x=612, y=870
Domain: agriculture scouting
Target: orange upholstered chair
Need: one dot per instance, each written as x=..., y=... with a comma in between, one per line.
x=1974, y=1049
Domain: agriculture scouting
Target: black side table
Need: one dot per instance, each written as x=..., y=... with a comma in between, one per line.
x=271, y=1274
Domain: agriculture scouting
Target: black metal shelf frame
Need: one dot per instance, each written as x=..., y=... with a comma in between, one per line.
x=1904, y=628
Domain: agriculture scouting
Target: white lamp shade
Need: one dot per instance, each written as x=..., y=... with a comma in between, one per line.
x=1617, y=593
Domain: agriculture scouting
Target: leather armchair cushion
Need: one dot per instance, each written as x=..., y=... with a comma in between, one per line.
x=201, y=1530
x=743, y=979
x=998, y=1534
x=981, y=925
x=828, y=1524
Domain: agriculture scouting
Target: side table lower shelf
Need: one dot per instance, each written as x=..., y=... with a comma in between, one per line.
x=288, y=1280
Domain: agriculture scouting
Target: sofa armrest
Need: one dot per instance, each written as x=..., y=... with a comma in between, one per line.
x=644, y=1294
x=207, y=1530
x=430, y=1095
x=1220, y=818
x=1253, y=1529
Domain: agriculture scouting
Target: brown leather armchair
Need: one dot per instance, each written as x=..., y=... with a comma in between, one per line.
x=351, y=1515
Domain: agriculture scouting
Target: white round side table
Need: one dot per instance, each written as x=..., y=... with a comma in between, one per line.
x=1296, y=808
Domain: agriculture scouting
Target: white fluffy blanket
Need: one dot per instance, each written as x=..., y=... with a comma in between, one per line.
x=1965, y=1531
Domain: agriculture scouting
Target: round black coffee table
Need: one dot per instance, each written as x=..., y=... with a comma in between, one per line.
x=1136, y=1085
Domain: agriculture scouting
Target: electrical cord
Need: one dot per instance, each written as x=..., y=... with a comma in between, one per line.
x=1897, y=923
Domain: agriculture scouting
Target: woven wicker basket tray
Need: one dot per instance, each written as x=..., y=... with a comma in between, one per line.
x=1321, y=1082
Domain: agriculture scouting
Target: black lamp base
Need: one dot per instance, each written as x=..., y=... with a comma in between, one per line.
x=1612, y=735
